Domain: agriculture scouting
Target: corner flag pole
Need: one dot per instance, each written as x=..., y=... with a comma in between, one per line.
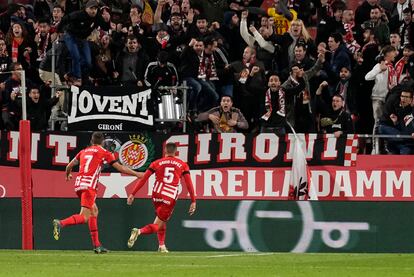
x=25, y=172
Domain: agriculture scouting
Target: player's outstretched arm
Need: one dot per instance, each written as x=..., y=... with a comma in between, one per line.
x=141, y=182
x=69, y=168
x=127, y=170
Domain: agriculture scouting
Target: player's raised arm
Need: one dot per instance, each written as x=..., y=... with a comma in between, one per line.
x=69, y=168
x=123, y=169
x=141, y=182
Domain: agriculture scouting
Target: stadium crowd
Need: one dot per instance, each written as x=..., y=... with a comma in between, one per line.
x=251, y=65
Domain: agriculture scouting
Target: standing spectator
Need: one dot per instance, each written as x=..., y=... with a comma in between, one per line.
x=405, y=28
x=78, y=26
x=249, y=85
x=332, y=24
x=5, y=60
x=43, y=38
x=334, y=119
x=38, y=108
x=297, y=33
x=362, y=13
x=225, y=118
x=57, y=15
x=274, y=120
x=297, y=95
x=283, y=16
x=21, y=46
x=404, y=67
x=385, y=79
x=378, y=22
x=161, y=72
x=131, y=63
x=340, y=56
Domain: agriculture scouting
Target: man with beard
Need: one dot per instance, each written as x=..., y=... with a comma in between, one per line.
x=274, y=119
x=334, y=120
x=131, y=63
x=299, y=113
x=225, y=118
x=379, y=24
x=398, y=120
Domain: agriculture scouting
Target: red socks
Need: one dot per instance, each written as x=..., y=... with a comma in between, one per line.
x=93, y=229
x=149, y=229
x=161, y=235
x=72, y=220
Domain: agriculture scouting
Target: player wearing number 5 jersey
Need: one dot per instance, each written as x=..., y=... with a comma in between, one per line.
x=168, y=172
x=90, y=160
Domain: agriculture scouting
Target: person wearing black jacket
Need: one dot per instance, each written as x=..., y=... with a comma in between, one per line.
x=334, y=119
x=398, y=120
x=78, y=26
x=38, y=108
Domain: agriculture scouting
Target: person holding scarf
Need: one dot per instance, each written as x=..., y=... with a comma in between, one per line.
x=385, y=78
x=405, y=66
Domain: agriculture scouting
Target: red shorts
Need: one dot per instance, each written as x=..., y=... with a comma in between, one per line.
x=87, y=197
x=164, y=206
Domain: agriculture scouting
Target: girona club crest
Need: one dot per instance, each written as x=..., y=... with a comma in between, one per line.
x=137, y=152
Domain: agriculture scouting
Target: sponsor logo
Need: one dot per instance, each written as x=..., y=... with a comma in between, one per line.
x=138, y=152
x=2, y=191
x=256, y=222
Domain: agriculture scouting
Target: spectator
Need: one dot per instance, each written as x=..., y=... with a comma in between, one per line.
x=5, y=60
x=78, y=26
x=404, y=67
x=334, y=119
x=297, y=95
x=161, y=72
x=379, y=23
x=385, y=79
x=43, y=38
x=340, y=56
x=131, y=63
x=225, y=118
x=274, y=119
x=282, y=15
x=249, y=85
x=362, y=13
x=38, y=108
x=398, y=120
x=405, y=28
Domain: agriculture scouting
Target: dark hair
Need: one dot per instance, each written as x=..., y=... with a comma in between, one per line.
x=162, y=57
x=136, y=7
x=97, y=138
x=176, y=14
x=201, y=17
x=43, y=20
x=132, y=37
x=59, y=7
x=338, y=95
x=337, y=37
x=209, y=40
x=171, y=148
x=300, y=65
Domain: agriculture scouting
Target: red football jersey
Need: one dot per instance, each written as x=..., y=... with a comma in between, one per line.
x=168, y=172
x=91, y=160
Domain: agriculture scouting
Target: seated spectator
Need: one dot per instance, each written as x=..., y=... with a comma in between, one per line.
x=274, y=120
x=398, y=120
x=334, y=119
x=225, y=118
x=131, y=63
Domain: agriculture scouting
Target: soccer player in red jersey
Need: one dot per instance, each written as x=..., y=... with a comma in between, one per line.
x=90, y=162
x=168, y=172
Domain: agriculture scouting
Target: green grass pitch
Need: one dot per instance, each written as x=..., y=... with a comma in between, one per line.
x=136, y=263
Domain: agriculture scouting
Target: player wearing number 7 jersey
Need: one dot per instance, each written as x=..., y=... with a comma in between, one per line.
x=168, y=172
x=90, y=162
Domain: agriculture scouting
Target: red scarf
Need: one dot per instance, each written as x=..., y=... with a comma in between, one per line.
x=207, y=68
x=399, y=67
x=42, y=46
x=392, y=76
x=281, y=102
x=15, y=48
